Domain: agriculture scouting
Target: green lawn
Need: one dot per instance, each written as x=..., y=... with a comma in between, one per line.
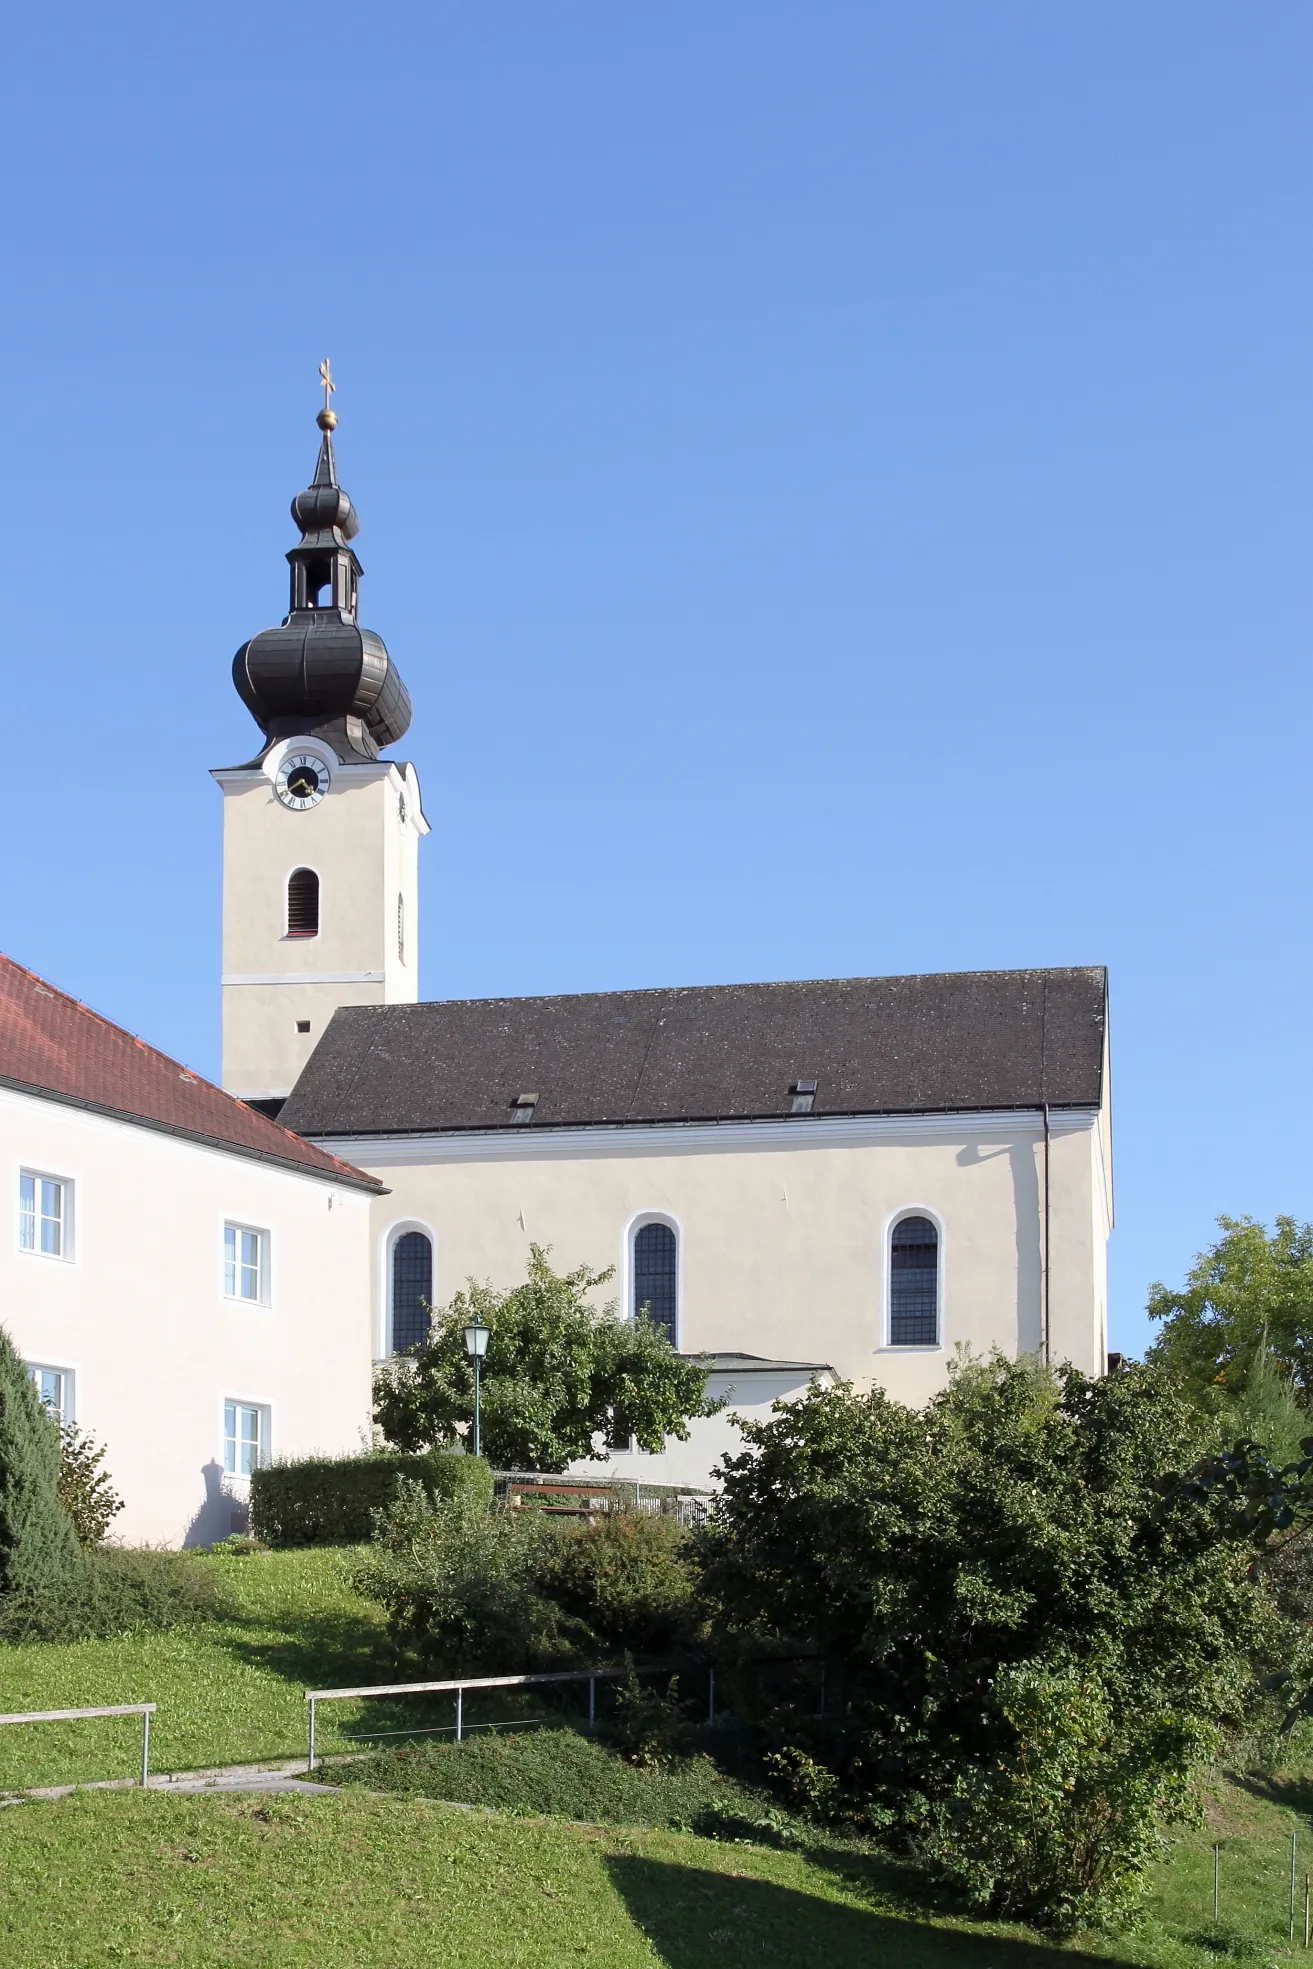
x=366, y=1880
x=228, y=1690
x=358, y=1881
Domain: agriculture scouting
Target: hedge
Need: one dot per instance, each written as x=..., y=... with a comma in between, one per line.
x=326, y=1500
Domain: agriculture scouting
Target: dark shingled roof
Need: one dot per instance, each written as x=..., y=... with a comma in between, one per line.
x=954, y=1041
x=54, y=1046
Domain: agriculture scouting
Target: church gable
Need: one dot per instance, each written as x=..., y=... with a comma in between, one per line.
x=950, y=1042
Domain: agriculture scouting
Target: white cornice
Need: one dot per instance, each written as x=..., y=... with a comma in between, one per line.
x=302, y=977
x=534, y=1144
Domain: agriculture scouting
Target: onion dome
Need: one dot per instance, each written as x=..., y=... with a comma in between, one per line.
x=319, y=673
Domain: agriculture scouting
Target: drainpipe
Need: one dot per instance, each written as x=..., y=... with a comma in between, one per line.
x=1048, y=1331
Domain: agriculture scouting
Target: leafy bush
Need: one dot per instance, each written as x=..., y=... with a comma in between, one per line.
x=84, y=1488
x=330, y=1500
x=461, y=1585
x=565, y=1775
x=1023, y=1525
x=118, y=1590
x=1059, y=1826
x=561, y=1376
x=628, y=1577
x=651, y=1726
x=39, y=1551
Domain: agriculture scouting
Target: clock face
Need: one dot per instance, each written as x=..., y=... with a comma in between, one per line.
x=302, y=781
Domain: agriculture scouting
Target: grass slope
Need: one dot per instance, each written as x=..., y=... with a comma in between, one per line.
x=560, y=1774
x=228, y=1690
x=353, y=1881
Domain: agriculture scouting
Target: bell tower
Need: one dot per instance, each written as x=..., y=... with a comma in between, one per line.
x=320, y=833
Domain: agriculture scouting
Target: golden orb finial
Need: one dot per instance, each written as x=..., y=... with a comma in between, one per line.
x=327, y=418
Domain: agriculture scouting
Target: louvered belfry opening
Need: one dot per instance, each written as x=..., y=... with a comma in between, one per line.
x=303, y=903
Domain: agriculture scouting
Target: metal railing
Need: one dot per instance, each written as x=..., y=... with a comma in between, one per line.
x=458, y=1686
x=143, y=1709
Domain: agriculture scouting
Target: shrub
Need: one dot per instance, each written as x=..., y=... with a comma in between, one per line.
x=461, y=1585
x=1058, y=1828
x=1024, y=1524
x=330, y=1500
x=628, y=1577
x=556, y=1772
x=39, y=1552
x=651, y=1726
x=118, y=1590
x=84, y=1488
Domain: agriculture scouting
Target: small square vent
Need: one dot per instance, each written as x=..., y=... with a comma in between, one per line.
x=804, y=1097
x=522, y=1109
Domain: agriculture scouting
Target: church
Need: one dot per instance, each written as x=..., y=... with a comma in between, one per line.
x=828, y=1179
x=844, y=1177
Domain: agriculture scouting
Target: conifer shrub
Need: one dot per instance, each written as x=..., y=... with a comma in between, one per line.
x=39, y=1551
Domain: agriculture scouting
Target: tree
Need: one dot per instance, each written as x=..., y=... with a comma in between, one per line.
x=85, y=1489
x=559, y=1373
x=1247, y=1298
x=975, y=1572
x=39, y=1551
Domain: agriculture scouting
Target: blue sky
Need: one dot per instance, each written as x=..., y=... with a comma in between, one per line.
x=835, y=479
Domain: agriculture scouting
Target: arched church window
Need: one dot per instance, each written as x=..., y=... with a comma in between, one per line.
x=412, y=1290
x=303, y=903
x=914, y=1283
x=655, y=1272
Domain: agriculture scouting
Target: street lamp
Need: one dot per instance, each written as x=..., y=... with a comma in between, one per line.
x=475, y=1336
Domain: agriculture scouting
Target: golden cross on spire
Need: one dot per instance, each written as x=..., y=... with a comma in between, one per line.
x=327, y=418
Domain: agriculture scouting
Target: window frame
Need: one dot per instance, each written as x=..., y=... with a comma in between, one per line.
x=887, y=1344
x=403, y=1227
x=635, y=1224
x=265, y=1283
x=67, y=1412
x=68, y=1191
x=263, y=1409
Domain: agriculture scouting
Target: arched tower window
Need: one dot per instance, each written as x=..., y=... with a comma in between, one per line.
x=303, y=903
x=412, y=1290
x=914, y=1283
x=655, y=1271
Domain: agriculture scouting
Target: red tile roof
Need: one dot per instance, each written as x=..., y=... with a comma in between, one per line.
x=51, y=1044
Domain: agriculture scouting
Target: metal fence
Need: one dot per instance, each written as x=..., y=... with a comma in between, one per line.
x=143, y=1709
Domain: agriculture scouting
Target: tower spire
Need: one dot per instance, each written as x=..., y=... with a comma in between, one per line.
x=320, y=672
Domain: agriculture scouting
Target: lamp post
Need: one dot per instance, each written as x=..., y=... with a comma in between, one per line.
x=475, y=1336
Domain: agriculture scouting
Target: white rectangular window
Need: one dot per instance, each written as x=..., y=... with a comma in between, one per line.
x=245, y=1438
x=44, y=1215
x=245, y=1264
x=54, y=1385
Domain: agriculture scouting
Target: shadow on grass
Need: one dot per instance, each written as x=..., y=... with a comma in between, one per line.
x=316, y=1650
x=1294, y=1793
x=695, y=1918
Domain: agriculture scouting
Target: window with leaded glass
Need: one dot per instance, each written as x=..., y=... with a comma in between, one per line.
x=914, y=1283
x=656, y=1277
x=412, y=1290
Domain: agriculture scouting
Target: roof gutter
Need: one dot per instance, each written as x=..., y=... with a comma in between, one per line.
x=356, y=1179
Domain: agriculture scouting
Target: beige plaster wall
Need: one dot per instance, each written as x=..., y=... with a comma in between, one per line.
x=783, y=1229
x=139, y=1317
x=366, y=856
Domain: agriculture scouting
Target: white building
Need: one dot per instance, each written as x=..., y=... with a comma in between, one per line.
x=183, y=1277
